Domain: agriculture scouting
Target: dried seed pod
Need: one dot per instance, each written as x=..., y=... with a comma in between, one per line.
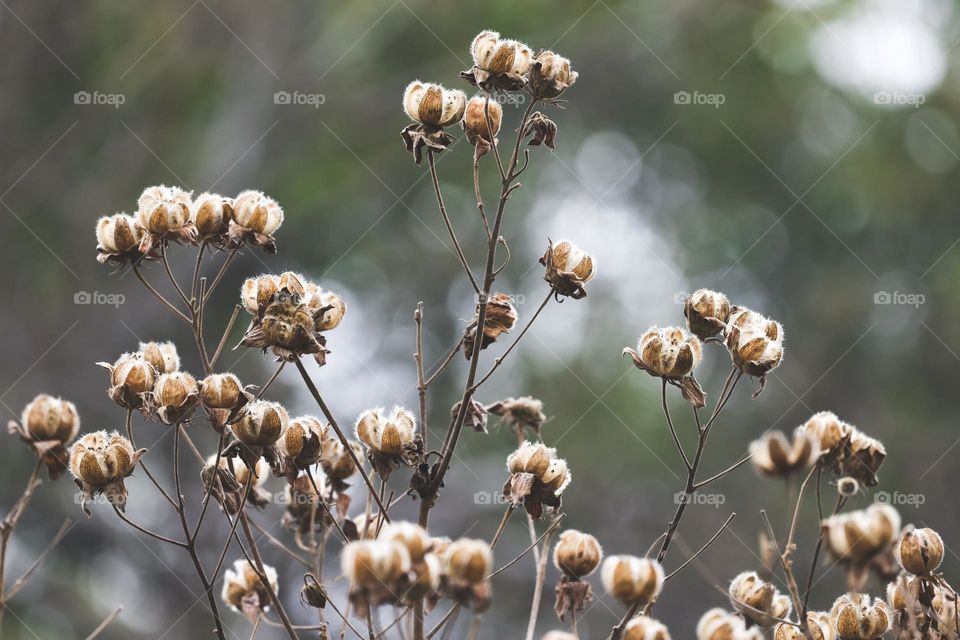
x=772, y=455
x=388, y=436
x=945, y=604
x=550, y=75
x=257, y=292
x=758, y=600
x=521, y=413
x=162, y=355
x=632, y=580
x=426, y=577
x=858, y=536
x=432, y=104
x=755, y=344
x=256, y=217
x=481, y=122
x=412, y=536
x=293, y=282
x=475, y=417
x=238, y=469
x=327, y=307
x=287, y=327
x=538, y=477
x=855, y=617
x=306, y=441
x=174, y=397
x=667, y=352
x=130, y=378
x=707, y=313
x=99, y=462
x=211, y=214
x=818, y=624
x=829, y=431
x=221, y=391
x=245, y=591
x=903, y=594
x=645, y=628
x=118, y=238
x=374, y=564
x=49, y=419
x=340, y=467
x=568, y=268
x=861, y=458
x=163, y=209
x=261, y=423
x=468, y=561
x=500, y=317
x=307, y=508
x=718, y=624
x=920, y=551
x=498, y=63
x=577, y=554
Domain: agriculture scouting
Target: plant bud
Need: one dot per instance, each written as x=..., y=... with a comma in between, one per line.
x=644, y=628
x=550, y=75
x=162, y=355
x=118, y=236
x=772, y=455
x=412, y=536
x=755, y=343
x=327, y=307
x=496, y=55
x=99, y=462
x=920, y=551
x=707, y=313
x=374, y=564
x=261, y=424
x=391, y=436
x=211, y=214
x=50, y=419
x=257, y=292
x=520, y=414
x=475, y=120
x=313, y=593
x=568, y=268
x=858, y=536
x=758, y=600
x=130, y=377
x=855, y=617
x=468, y=561
x=577, y=554
x=717, y=624
x=632, y=580
x=340, y=466
x=667, y=352
x=306, y=441
x=175, y=395
x=818, y=624
x=221, y=391
x=432, y=104
x=245, y=592
x=258, y=213
x=163, y=209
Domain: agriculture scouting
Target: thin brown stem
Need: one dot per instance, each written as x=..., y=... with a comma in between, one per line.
x=106, y=623
x=709, y=542
x=226, y=335
x=146, y=531
x=446, y=221
x=158, y=295
x=499, y=360
x=673, y=431
x=533, y=545
x=538, y=585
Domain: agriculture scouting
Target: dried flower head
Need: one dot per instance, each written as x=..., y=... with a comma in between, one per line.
x=256, y=217
x=500, y=317
x=818, y=624
x=632, y=580
x=568, y=268
x=211, y=214
x=175, y=396
x=164, y=212
x=162, y=355
x=118, y=238
x=257, y=292
x=707, y=313
x=773, y=455
x=855, y=617
x=391, y=440
x=432, y=107
x=520, y=413
x=232, y=484
x=920, y=551
x=481, y=122
x=99, y=462
x=829, y=431
x=340, y=467
x=306, y=441
x=718, y=624
x=412, y=536
x=537, y=477
x=261, y=423
x=577, y=554
x=550, y=75
x=541, y=130
x=863, y=540
x=667, y=352
x=755, y=344
x=758, y=600
x=845, y=449
x=307, y=508
x=903, y=594
x=327, y=307
x=131, y=376
x=945, y=604
x=222, y=396
x=475, y=417
x=645, y=628
x=245, y=591
x=467, y=564
x=498, y=63
x=374, y=569
x=47, y=425
x=287, y=327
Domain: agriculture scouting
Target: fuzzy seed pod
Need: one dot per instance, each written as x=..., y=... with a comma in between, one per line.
x=257, y=292
x=340, y=466
x=414, y=537
x=245, y=592
x=99, y=462
x=175, y=395
x=163, y=209
x=388, y=436
x=427, y=576
x=500, y=317
x=261, y=424
x=130, y=377
x=718, y=624
x=221, y=391
x=327, y=307
x=475, y=120
x=829, y=431
x=550, y=75
x=855, y=617
x=772, y=455
x=293, y=282
x=211, y=214
x=254, y=211
x=521, y=413
x=903, y=593
x=433, y=105
x=468, y=561
x=577, y=554
x=632, y=580
x=945, y=604
x=374, y=564
x=858, y=536
x=497, y=55
x=861, y=458
x=667, y=352
x=49, y=419
x=818, y=623
x=758, y=600
x=118, y=237
x=645, y=628
x=162, y=355
x=286, y=326
x=920, y=551
x=542, y=462
x=568, y=268
x=236, y=467
x=755, y=343
x=306, y=441
x=707, y=313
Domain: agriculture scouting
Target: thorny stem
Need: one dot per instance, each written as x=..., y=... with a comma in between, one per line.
x=446, y=220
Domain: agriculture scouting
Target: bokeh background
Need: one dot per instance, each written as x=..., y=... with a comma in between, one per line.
x=800, y=155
